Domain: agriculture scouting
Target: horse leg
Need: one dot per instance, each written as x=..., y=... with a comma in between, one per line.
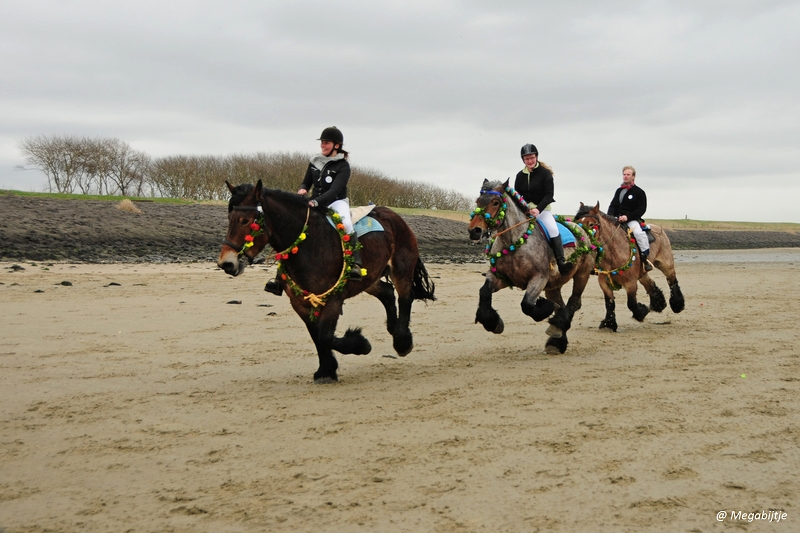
x=676, y=301
x=559, y=318
x=402, y=340
x=534, y=306
x=638, y=310
x=402, y=274
x=665, y=262
x=322, y=334
x=556, y=345
x=657, y=301
x=561, y=321
x=486, y=314
x=610, y=320
x=384, y=292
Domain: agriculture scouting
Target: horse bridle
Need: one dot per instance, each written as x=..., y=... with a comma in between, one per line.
x=259, y=219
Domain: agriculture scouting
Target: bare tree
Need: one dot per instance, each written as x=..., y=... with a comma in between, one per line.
x=58, y=157
x=123, y=168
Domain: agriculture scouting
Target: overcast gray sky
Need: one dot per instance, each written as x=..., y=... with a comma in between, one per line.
x=700, y=96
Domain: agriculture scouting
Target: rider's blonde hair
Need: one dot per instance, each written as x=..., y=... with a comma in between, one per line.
x=628, y=167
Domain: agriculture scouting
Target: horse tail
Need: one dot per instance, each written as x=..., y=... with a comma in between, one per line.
x=422, y=287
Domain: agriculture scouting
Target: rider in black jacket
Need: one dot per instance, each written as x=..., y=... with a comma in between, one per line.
x=535, y=184
x=629, y=205
x=326, y=176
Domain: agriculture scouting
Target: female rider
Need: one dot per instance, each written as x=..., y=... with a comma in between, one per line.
x=535, y=184
x=328, y=173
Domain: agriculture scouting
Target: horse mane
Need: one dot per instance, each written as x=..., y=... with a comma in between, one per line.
x=241, y=192
x=491, y=185
x=286, y=197
x=585, y=209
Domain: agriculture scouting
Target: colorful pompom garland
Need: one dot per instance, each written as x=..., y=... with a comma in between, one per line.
x=601, y=252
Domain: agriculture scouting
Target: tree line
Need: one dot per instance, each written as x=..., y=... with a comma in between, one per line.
x=106, y=166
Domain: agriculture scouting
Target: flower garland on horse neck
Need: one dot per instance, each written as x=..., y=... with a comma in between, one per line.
x=318, y=300
x=256, y=229
x=581, y=249
x=592, y=231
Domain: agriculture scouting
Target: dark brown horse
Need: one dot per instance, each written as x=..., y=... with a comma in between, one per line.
x=521, y=257
x=620, y=265
x=315, y=260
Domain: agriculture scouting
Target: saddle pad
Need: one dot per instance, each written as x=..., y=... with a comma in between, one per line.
x=567, y=238
x=364, y=225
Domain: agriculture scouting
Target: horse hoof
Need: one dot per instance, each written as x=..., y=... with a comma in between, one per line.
x=499, y=328
x=405, y=352
x=325, y=380
x=554, y=332
x=552, y=350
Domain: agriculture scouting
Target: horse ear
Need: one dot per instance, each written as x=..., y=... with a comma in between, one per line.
x=596, y=208
x=505, y=185
x=582, y=206
x=259, y=188
x=485, y=183
x=230, y=187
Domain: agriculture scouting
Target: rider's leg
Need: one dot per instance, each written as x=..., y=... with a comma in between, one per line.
x=342, y=207
x=641, y=240
x=549, y=223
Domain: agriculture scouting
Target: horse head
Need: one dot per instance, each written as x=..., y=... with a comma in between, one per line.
x=490, y=209
x=588, y=216
x=248, y=229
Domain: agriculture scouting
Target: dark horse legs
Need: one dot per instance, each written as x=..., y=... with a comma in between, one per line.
x=486, y=315
x=323, y=334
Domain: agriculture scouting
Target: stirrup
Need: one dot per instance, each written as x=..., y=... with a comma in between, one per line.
x=355, y=273
x=273, y=287
x=648, y=266
x=565, y=267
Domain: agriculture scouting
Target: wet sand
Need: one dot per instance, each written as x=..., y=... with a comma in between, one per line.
x=138, y=399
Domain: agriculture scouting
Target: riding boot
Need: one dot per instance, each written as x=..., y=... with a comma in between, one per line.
x=274, y=285
x=648, y=266
x=558, y=251
x=355, y=271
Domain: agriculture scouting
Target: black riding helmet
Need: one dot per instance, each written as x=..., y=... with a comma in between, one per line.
x=528, y=149
x=332, y=134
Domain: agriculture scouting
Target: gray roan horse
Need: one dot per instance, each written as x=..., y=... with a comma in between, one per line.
x=619, y=265
x=520, y=256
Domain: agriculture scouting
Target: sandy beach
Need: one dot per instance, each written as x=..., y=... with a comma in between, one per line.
x=136, y=397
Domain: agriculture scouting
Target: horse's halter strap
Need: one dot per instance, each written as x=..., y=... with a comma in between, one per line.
x=259, y=220
x=497, y=219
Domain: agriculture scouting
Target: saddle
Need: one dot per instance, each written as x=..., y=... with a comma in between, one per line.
x=646, y=228
x=362, y=222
